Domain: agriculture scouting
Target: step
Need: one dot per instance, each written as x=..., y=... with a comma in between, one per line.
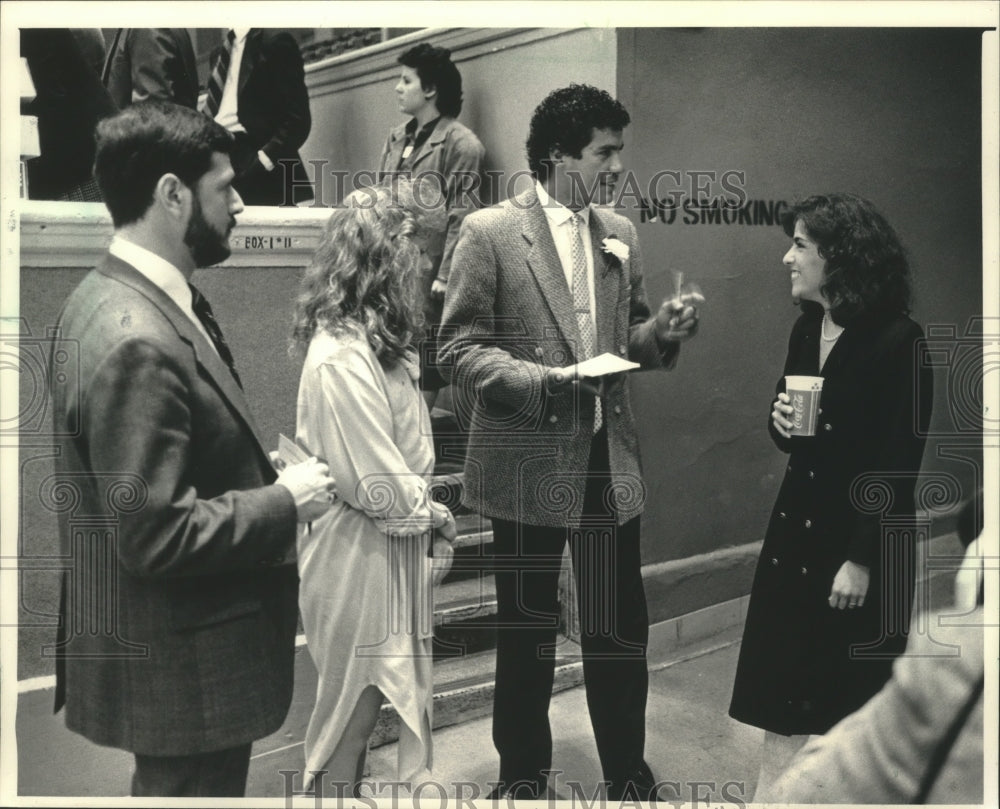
x=473, y=530
x=463, y=690
x=464, y=600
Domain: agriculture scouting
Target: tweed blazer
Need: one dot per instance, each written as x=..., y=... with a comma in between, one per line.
x=508, y=318
x=454, y=155
x=178, y=613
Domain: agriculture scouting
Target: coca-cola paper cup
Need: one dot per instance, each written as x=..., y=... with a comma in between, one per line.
x=804, y=393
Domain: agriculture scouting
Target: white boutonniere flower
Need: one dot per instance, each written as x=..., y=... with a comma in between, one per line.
x=616, y=248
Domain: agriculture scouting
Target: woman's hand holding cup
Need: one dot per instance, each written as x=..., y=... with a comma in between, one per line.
x=781, y=415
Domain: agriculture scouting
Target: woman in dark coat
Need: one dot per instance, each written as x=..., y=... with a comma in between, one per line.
x=831, y=598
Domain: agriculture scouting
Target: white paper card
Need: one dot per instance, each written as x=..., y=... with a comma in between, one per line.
x=603, y=365
x=290, y=452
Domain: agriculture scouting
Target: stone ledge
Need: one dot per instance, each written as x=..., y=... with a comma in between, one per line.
x=377, y=63
x=75, y=235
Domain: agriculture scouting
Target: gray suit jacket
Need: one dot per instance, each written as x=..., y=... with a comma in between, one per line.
x=178, y=615
x=508, y=317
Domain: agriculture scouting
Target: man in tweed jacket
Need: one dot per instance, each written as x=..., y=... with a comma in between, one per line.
x=178, y=609
x=553, y=457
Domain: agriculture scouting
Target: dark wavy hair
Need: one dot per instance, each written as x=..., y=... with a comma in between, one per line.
x=362, y=278
x=867, y=271
x=435, y=69
x=566, y=120
x=140, y=144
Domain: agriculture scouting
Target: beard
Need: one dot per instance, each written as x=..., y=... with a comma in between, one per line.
x=208, y=246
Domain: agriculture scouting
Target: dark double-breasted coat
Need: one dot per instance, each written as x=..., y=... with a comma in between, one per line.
x=847, y=494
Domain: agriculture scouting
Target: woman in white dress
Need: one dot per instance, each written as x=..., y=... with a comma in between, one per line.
x=368, y=565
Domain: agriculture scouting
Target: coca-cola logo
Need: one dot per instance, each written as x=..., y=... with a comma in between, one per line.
x=799, y=406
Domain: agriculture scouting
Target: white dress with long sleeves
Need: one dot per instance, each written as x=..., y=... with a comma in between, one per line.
x=366, y=592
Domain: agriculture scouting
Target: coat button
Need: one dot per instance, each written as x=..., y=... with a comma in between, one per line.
x=553, y=418
x=809, y=523
x=782, y=514
x=804, y=571
x=811, y=474
x=539, y=352
x=618, y=410
x=789, y=467
x=622, y=349
x=828, y=427
x=819, y=411
x=774, y=560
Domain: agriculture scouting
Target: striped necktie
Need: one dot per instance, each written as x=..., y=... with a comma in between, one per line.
x=217, y=81
x=106, y=73
x=203, y=310
x=581, y=305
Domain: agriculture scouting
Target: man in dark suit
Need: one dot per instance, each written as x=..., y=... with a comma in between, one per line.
x=257, y=91
x=151, y=63
x=178, y=608
x=542, y=281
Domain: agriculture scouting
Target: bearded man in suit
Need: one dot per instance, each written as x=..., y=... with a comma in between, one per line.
x=541, y=282
x=178, y=610
x=257, y=91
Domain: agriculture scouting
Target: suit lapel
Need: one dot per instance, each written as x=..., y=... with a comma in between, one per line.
x=251, y=56
x=607, y=282
x=395, y=151
x=543, y=261
x=205, y=353
x=106, y=72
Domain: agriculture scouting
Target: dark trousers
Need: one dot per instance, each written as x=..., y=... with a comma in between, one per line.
x=614, y=628
x=220, y=774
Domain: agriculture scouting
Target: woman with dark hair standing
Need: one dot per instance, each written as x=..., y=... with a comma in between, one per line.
x=365, y=567
x=432, y=143
x=831, y=598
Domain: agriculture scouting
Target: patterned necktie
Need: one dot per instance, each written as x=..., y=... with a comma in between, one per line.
x=581, y=305
x=203, y=311
x=217, y=81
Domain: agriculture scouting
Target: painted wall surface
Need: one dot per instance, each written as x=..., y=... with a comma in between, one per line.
x=890, y=114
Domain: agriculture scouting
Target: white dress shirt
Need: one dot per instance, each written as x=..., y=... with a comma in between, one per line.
x=228, y=114
x=558, y=217
x=160, y=272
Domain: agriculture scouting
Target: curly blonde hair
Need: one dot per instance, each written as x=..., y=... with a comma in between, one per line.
x=362, y=278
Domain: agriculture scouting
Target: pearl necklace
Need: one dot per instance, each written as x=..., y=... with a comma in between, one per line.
x=822, y=330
